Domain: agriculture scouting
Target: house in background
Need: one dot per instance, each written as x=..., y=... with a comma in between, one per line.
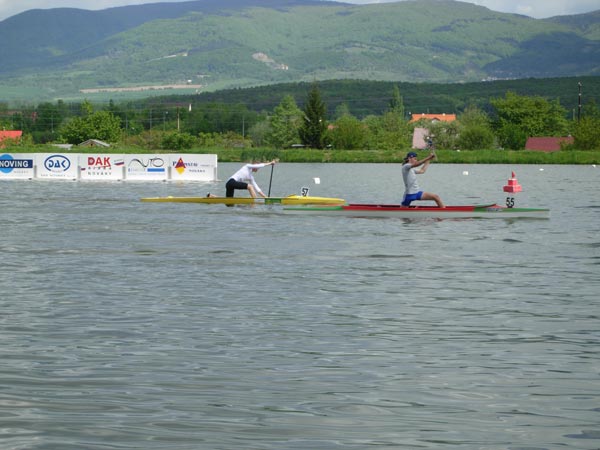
x=13, y=135
x=443, y=117
x=66, y=147
x=547, y=144
x=419, y=140
x=94, y=143
x=420, y=134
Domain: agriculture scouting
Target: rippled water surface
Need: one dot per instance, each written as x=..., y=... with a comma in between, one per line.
x=129, y=325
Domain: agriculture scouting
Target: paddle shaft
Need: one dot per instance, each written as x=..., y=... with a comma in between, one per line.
x=271, y=180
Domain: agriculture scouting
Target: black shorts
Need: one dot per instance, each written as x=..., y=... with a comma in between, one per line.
x=232, y=185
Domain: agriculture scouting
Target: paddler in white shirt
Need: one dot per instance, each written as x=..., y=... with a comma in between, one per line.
x=244, y=179
x=412, y=191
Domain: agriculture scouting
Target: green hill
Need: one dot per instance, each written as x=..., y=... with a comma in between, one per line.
x=212, y=45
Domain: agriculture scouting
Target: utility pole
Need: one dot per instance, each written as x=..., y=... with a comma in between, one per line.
x=579, y=104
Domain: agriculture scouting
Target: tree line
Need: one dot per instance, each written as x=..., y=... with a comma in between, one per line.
x=184, y=124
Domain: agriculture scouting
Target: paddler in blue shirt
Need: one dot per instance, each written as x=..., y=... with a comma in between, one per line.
x=409, y=175
x=244, y=179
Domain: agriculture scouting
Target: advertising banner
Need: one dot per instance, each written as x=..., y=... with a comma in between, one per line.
x=193, y=167
x=16, y=166
x=146, y=167
x=109, y=166
x=56, y=166
x=101, y=167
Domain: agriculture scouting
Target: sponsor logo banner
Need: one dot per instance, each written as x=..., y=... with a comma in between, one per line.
x=104, y=167
x=99, y=167
x=146, y=167
x=56, y=166
x=193, y=167
x=15, y=166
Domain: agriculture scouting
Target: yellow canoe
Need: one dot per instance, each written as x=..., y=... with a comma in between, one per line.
x=289, y=200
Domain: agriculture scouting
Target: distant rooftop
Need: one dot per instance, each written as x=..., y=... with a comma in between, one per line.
x=443, y=117
x=547, y=143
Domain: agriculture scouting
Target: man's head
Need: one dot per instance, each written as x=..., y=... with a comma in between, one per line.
x=409, y=155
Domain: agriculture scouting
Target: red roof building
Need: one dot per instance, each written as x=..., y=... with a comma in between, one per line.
x=547, y=144
x=434, y=117
x=10, y=134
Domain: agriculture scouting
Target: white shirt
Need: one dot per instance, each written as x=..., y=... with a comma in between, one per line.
x=245, y=175
x=410, y=179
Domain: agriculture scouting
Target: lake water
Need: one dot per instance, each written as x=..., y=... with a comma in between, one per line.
x=130, y=325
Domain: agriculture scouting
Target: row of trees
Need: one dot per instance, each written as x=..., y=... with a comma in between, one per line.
x=508, y=123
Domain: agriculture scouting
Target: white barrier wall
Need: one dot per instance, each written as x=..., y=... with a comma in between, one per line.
x=108, y=167
x=101, y=167
x=146, y=167
x=56, y=166
x=192, y=167
x=17, y=165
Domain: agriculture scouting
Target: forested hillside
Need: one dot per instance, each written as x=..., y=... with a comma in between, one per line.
x=212, y=45
x=352, y=115
x=372, y=97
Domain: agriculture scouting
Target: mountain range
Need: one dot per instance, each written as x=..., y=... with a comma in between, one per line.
x=216, y=44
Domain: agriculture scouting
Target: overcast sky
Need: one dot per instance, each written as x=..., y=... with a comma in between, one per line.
x=533, y=8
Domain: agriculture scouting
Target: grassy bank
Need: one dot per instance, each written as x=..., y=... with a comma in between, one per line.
x=352, y=156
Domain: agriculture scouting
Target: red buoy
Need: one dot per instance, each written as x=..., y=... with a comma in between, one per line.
x=512, y=184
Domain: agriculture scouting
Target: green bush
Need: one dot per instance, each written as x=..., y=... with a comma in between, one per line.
x=178, y=141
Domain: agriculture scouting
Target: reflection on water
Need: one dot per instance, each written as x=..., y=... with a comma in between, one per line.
x=135, y=325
